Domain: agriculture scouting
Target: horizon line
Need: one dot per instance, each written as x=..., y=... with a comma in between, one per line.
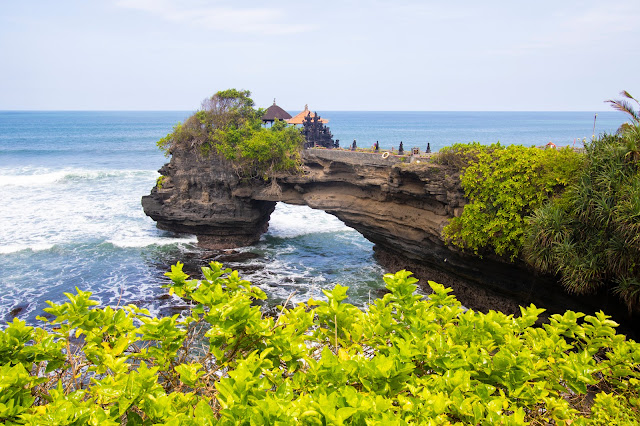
x=315, y=110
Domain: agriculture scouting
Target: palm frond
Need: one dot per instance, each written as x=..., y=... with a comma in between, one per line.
x=626, y=107
x=628, y=96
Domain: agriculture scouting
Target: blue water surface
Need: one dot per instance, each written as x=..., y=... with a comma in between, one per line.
x=439, y=129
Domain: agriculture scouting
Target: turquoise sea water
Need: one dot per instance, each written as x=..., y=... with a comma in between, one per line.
x=71, y=183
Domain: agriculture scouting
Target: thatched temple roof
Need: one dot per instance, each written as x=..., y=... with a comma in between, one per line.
x=274, y=112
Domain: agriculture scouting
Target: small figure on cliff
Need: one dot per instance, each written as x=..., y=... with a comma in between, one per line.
x=353, y=147
x=376, y=147
x=401, y=149
x=428, y=148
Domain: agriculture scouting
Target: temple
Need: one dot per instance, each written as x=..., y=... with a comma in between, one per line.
x=299, y=118
x=273, y=113
x=316, y=133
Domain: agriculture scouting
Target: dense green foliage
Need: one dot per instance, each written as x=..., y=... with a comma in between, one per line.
x=503, y=185
x=591, y=235
x=406, y=360
x=228, y=125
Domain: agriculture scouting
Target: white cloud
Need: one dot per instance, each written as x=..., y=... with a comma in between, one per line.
x=218, y=16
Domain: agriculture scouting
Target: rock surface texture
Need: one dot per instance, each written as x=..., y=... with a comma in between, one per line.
x=399, y=205
x=196, y=196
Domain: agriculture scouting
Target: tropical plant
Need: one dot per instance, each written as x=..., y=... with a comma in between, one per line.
x=461, y=155
x=503, y=185
x=225, y=110
x=630, y=131
x=405, y=360
x=591, y=235
x=625, y=106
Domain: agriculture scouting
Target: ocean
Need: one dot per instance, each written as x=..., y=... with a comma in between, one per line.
x=71, y=183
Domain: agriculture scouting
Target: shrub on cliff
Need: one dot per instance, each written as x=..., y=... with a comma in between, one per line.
x=406, y=360
x=503, y=185
x=228, y=125
x=591, y=235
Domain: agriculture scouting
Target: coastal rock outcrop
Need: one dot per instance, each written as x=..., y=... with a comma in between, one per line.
x=195, y=195
x=400, y=204
x=397, y=205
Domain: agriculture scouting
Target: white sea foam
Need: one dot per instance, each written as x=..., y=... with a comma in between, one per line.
x=146, y=241
x=36, y=179
x=29, y=177
x=14, y=248
x=74, y=205
x=289, y=221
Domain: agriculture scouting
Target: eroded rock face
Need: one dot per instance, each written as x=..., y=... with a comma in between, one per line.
x=399, y=206
x=196, y=198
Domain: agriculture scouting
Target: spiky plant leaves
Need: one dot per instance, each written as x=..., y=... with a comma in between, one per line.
x=627, y=94
x=544, y=233
x=590, y=236
x=626, y=106
x=629, y=291
x=629, y=131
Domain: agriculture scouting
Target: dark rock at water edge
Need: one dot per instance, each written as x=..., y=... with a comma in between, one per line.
x=16, y=311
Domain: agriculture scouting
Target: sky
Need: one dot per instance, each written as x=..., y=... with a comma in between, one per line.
x=333, y=55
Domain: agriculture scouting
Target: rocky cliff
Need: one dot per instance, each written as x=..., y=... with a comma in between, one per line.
x=399, y=205
x=196, y=196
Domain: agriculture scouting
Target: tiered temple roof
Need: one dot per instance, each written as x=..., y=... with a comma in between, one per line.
x=299, y=118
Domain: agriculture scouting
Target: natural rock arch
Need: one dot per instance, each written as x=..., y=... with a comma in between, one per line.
x=399, y=206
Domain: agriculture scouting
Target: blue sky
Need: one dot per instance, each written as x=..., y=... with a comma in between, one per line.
x=333, y=55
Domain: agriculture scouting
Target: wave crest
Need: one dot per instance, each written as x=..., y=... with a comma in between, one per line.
x=43, y=177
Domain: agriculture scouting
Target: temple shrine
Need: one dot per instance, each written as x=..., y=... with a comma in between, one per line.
x=273, y=113
x=314, y=128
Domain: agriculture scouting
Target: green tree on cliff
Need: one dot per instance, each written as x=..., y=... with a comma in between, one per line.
x=229, y=126
x=591, y=235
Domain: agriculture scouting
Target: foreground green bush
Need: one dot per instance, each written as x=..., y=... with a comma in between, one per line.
x=406, y=360
x=504, y=185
